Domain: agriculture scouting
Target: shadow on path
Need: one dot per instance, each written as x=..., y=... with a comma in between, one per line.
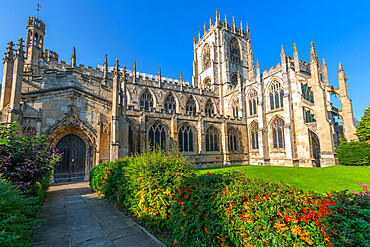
x=75, y=216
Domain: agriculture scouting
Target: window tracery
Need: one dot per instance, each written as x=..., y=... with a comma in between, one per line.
x=212, y=140
x=206, y=57
x=254, y=136
x=209, y=108
x=232, y=136
x=276, y=95
x=191, y=108
x=170, y=103
x=307, y=92
x=186, y=138
x=278, y=133
x=253, y=102
x=157, y=136
x=234, y=51
x=146, y=100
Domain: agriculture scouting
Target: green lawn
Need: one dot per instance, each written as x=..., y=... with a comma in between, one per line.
x=322, y=179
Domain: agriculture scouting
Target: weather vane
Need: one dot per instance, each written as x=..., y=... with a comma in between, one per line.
x=38, y=9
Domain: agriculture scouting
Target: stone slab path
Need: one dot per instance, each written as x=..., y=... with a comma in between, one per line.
x=77, y=217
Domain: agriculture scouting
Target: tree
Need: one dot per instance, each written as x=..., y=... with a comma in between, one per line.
x=363, y=129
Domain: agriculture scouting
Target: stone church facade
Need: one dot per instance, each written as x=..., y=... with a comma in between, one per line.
x=231, y=113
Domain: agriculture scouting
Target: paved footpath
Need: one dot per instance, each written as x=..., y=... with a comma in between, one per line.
x=75, y=216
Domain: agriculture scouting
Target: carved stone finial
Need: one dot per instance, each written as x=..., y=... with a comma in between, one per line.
x=180, y=76
x=73, y=59
x=204, y=29
x=195, y=40
x=295, y=48
x=217, y=17
x=210, y=23
x=233, y=22
x=313, y=56
x=247, y=31
x=9, y=52
x=198, y=36
x=19, y=53
x=225, y=20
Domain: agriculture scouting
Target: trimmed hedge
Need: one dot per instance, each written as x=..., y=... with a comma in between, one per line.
x=144, y=185
x=353, y=153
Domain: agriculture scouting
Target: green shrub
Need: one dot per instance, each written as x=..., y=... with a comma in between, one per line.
x=353, y=153
x=144, y=184
x=349, y=222
x=232, y=210
x=363, y=128
x=17, y=215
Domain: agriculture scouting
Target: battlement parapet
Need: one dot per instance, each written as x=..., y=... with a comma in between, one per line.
x=37, y=23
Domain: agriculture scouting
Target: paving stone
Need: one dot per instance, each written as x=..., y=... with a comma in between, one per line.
x=74, y=216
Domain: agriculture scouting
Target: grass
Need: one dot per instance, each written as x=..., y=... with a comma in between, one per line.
x=321, y=179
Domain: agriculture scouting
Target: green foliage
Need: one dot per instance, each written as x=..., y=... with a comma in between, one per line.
x=232, y=210
x=17, y=214
x=353, y=153
x=349, y=222
x=24, y=160
x=144, y=184
x=363, y=128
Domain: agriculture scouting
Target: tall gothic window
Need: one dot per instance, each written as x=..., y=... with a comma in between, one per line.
x=206, y=57
x=253, y=102
x=307, y=93
x=278, y=133
x=254, y=136
x=308, y=116
x=157, y=136
x=170, y=103
x=232, y=137
x=191, y=108
x=209, y=109
x=186, y=138
x=146, y=100
x=276, y=95
x=212, y=140
x=131, y=142
x=236, y=109
x=234, y=51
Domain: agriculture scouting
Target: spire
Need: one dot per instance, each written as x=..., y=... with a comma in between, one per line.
x=313, y=56
x=282, y=55
x=247, y=31
x=325, y=72
x=234, y=23
x=9, y=52
x=180, y=76
x=204, y=29
x=341, y=73
x=225, y=21
x=73, y=60
x=210, y=23
x=217, y=17
x=258, y=68
x=198, y=36
x=296, y=60
x=241, y=28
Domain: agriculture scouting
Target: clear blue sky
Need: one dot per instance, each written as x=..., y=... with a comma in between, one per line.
x=161, y=33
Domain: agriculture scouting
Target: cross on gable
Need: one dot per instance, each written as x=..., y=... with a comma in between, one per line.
x=38, y=9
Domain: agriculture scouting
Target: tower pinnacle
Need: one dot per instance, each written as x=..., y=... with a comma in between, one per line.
x=73, y=59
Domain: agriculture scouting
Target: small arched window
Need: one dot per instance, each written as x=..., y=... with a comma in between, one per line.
x=209, y=109
x=234, y=80
x=307, y=92
x=207, y=84
x=309, y=117
x=254, y=136
x=236, y=109
x=170, y=103
x=146, y=100
x=234, y=51
x=232, y=137
x=212, y=140
x=206, y=57
x=191, y=108
x=186, y=138
x=253, y=102
x=276, y=95
x=157, y=136
x=278, y=133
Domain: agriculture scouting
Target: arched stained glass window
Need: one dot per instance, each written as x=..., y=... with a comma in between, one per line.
x=191, y=108
x=253, y=102
x=209, y=109
x=236, y=109
x=234, y=51
x=212, y=140
x=278, y=133
x=170, y=103
x=276, y=95
x=206, y=57
x=186, y=138
x=307, y=92
x=146, y=100
x=254, y=136
x=157, y=136
x=232, y=137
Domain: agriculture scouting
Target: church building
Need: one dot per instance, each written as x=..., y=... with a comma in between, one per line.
x=230, y=114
